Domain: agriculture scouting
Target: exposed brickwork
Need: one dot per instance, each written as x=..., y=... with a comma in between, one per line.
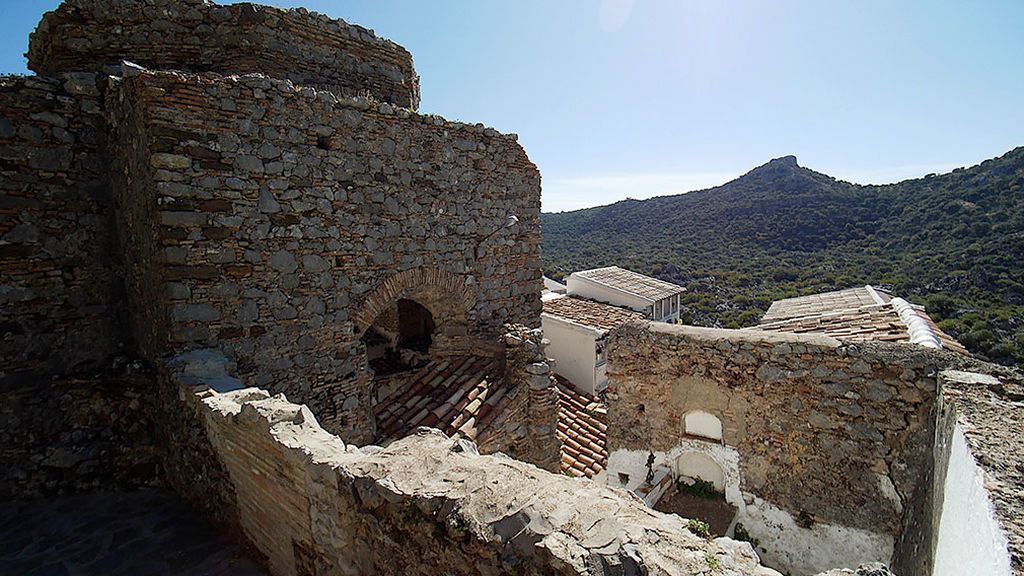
x=196, y=36
x=60, y=298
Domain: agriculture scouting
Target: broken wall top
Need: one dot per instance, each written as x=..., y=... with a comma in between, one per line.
x=198, y=36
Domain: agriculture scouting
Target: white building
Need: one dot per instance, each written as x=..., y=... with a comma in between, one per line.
x=656, y=299
x=576, y=329
x=553, y=286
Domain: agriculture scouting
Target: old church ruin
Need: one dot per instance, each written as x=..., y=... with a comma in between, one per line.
x=237, y=263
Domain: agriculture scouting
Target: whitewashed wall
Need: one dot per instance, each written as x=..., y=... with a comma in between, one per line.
x=587, y=289
x=783, y=544
x=970, y=538
x=572, y=347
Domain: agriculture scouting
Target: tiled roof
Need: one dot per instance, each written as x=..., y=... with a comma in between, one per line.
x=582, y=431
x=825, y=302
x=589, y=313
x=877, y=322
x=457, y=396
x=860, y=314
x=631, y=282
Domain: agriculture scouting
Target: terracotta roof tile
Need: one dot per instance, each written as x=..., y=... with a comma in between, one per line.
x=457, y=396
x=859, y=314
x=825, y=302
x=589, y=313
x=632, y=282
x=878, y=322
x=582, y=431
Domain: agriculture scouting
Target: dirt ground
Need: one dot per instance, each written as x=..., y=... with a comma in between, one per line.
x=717, y=513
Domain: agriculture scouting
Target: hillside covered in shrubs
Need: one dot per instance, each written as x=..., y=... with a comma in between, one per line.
x=953, y=242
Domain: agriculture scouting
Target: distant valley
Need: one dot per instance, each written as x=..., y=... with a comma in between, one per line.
x=953, y=242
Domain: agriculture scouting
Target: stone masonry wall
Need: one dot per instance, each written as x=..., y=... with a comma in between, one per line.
x=60, y=298
x=198, y=36
x=73, y=408
x=76, y=434
x=310, y=504
x=283, y=213
x=829, y=432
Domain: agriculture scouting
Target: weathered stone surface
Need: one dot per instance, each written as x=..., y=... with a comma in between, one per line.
x=60, y=298
x=406, y=210
x=989, y=410
x=875, y=569
x=68, y=435
x=302, y=46
x=808, y=442
x=428, y=504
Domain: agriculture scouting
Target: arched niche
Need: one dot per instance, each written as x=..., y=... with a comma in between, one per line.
x=695, y=465
x=702, y=424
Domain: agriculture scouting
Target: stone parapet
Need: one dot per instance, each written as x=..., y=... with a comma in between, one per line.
x=198, y=36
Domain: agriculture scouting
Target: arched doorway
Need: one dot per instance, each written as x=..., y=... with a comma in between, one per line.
x=399, y=338
x=415, y=326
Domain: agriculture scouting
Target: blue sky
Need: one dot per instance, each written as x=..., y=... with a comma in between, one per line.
x=615, y=98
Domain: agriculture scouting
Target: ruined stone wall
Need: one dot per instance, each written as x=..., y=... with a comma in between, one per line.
x=75, y=434
x=192, y=467
x=310, y=504
x=197, y=36
x=287, y=217
x=526, y=427
x=60, y=298
x=833, y=434
x=73, y=412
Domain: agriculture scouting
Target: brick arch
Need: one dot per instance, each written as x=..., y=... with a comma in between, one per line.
x=407, y=284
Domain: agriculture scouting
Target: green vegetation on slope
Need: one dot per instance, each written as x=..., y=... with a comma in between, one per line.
x=953, y=242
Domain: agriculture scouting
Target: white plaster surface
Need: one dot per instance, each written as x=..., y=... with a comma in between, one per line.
x=700, y=423
x=970, y=538
x=727, y=460
x=573, y=348
x=789, y=548
x=694, y=466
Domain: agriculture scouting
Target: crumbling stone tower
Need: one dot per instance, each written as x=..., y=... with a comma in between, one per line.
x=185, y=175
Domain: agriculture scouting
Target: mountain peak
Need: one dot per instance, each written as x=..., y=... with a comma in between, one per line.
x=779, y=167
x=788, y=161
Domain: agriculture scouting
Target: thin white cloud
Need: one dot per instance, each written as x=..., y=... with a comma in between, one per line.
x=561, y=194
